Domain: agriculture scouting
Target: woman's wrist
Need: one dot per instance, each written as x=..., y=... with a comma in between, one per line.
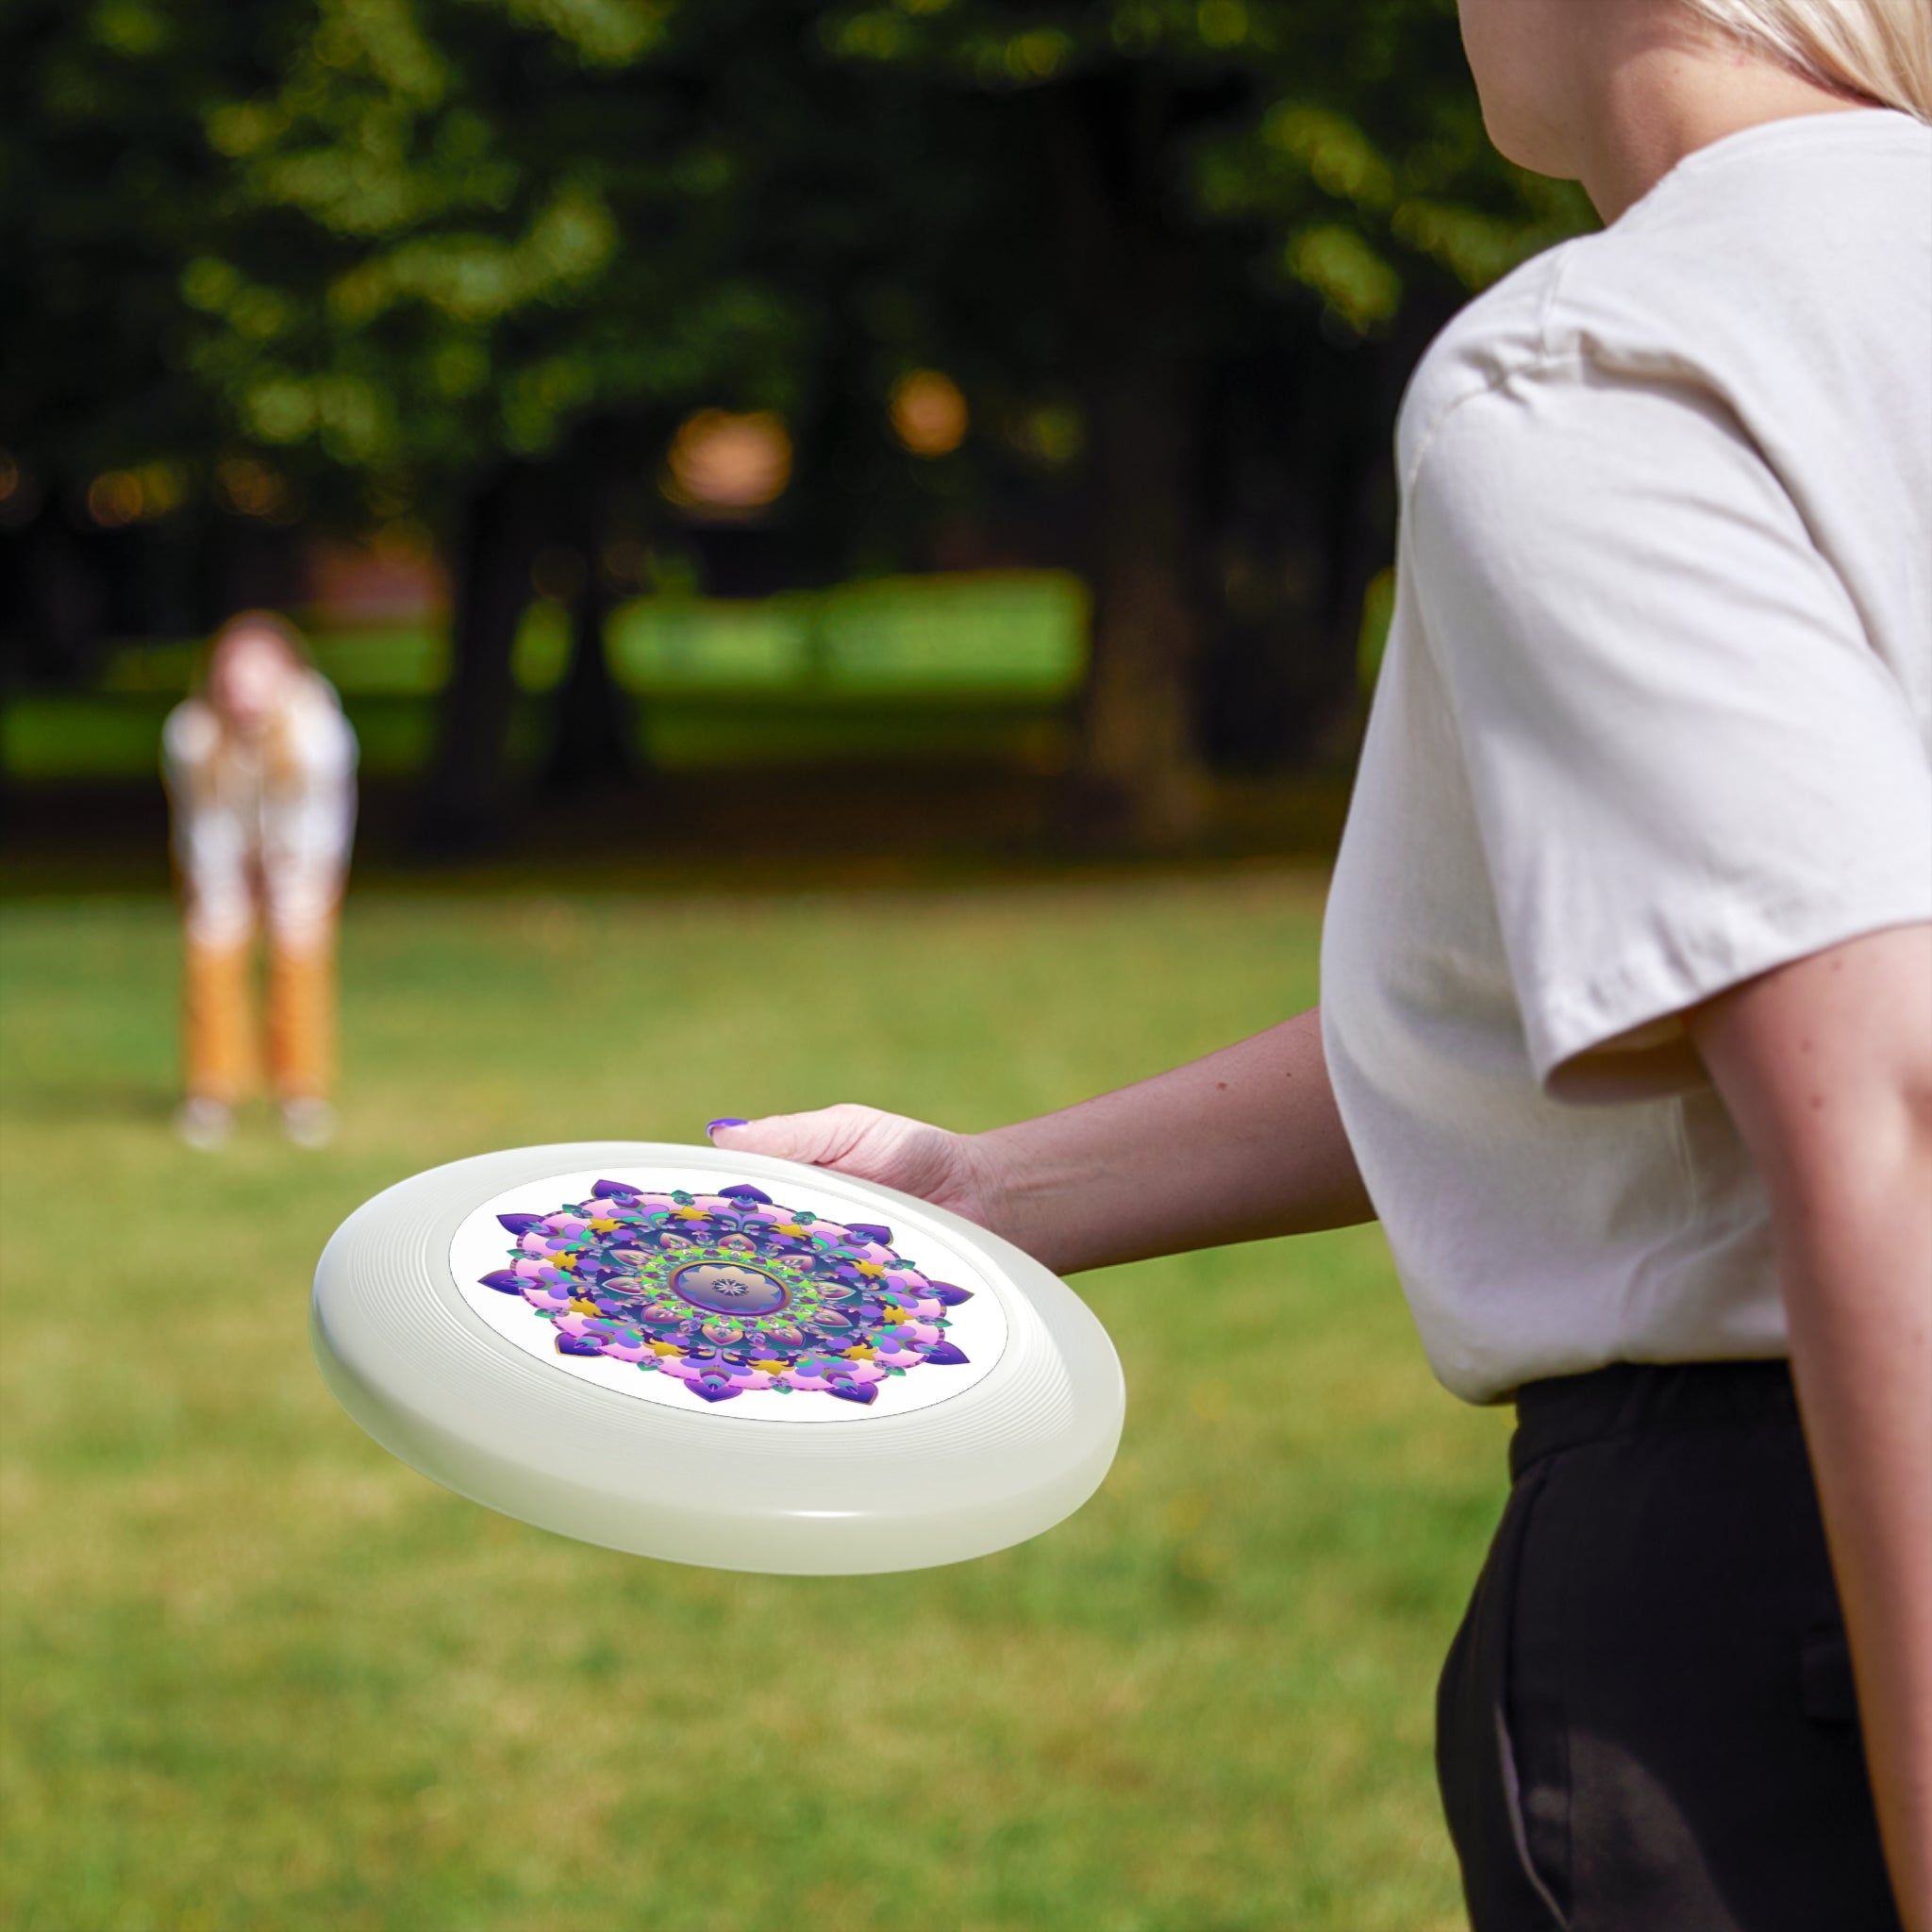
x=1001, y=1191
x=1061, y=1188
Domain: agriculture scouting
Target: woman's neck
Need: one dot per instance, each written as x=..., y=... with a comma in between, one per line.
x=1654, y=97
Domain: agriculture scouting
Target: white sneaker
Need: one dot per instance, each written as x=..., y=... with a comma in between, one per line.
x=204, y=1124
x=308, y=1122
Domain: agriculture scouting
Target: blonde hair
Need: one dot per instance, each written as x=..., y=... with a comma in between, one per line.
x=1879, y=50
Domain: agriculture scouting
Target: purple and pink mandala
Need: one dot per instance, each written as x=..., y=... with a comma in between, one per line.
x=729, y=1292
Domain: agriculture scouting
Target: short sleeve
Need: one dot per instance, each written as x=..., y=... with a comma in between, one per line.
x=322, y=738
x=1689, y=763
x=188, y=741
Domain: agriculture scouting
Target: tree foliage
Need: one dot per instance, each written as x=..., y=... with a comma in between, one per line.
x=416, y=254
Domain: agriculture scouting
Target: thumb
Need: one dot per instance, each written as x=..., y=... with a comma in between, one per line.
x=859, y=1141
x=818, y=1139
x=909, y=1155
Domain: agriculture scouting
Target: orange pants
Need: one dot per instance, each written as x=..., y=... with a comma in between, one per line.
x=222, y=1047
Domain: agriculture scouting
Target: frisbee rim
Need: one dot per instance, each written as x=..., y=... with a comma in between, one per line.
x=880, y=1492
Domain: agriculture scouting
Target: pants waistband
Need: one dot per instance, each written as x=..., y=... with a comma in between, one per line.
x=1635, y=1398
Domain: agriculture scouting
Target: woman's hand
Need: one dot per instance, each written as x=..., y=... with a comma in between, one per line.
x=949, y=1170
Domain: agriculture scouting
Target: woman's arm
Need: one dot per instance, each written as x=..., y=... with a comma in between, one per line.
x=1826, y=1068
x=1244, y=1144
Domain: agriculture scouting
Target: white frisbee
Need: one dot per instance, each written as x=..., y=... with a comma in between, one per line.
x=717, y=1358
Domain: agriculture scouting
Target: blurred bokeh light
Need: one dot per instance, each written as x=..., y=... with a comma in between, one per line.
x=728, y=465
x=929, y=415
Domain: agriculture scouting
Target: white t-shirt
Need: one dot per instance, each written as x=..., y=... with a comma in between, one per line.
x=1656, y=716
x=245, y=831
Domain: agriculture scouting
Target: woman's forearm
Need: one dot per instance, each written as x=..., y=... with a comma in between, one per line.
x=1826, y=1068
x=1858, y=1297
x=1241, y=1146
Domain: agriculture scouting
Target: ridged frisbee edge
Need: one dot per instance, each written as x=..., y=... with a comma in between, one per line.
x=798, y=1544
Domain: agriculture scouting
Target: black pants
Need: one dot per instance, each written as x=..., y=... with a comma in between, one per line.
x=1646, y=1721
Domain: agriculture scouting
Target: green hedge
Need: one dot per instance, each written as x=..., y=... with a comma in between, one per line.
x=912, y=667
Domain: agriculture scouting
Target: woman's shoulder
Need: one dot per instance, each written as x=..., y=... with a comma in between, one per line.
x=316, y=696
x=321, y=735
x=1758, y=265
x=1502, y=332
x=190, y=733
x=1593, y=307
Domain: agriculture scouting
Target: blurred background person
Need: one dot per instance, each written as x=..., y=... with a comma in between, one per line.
x=260, y=767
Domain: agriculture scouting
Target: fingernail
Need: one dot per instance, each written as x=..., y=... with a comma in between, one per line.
x=713, y=1128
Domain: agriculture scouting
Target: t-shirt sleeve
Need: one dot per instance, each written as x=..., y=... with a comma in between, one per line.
x=1689, y=763
x=189, y=737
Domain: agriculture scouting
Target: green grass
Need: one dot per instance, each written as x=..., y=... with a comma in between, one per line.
x=259, y=1674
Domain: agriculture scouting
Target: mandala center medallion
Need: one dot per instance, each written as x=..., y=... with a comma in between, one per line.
x=729, y=1288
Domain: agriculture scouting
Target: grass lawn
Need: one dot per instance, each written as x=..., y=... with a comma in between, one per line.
x=259, y=1674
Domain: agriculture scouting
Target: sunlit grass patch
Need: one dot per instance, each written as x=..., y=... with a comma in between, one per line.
x=259, y=1674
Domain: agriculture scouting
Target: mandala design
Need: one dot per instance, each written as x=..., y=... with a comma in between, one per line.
x=729, y=1292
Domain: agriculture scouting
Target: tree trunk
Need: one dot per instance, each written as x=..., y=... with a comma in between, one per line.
x=594, y=742
x=467, y=801
x=592, y=747
x=1139, y=738
x=1359, y=484
x=1133, y=304
x=62, y=602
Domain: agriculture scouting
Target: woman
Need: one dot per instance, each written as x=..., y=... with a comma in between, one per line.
x=260, y=767
x=1628, y=1020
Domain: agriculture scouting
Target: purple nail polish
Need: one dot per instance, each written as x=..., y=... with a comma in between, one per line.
x=713, y=1128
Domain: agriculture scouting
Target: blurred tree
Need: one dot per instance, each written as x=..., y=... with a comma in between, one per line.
x=106, y=189
x=515, y=233
x=529, y=238
x=469, y=262
x=1236, y=194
